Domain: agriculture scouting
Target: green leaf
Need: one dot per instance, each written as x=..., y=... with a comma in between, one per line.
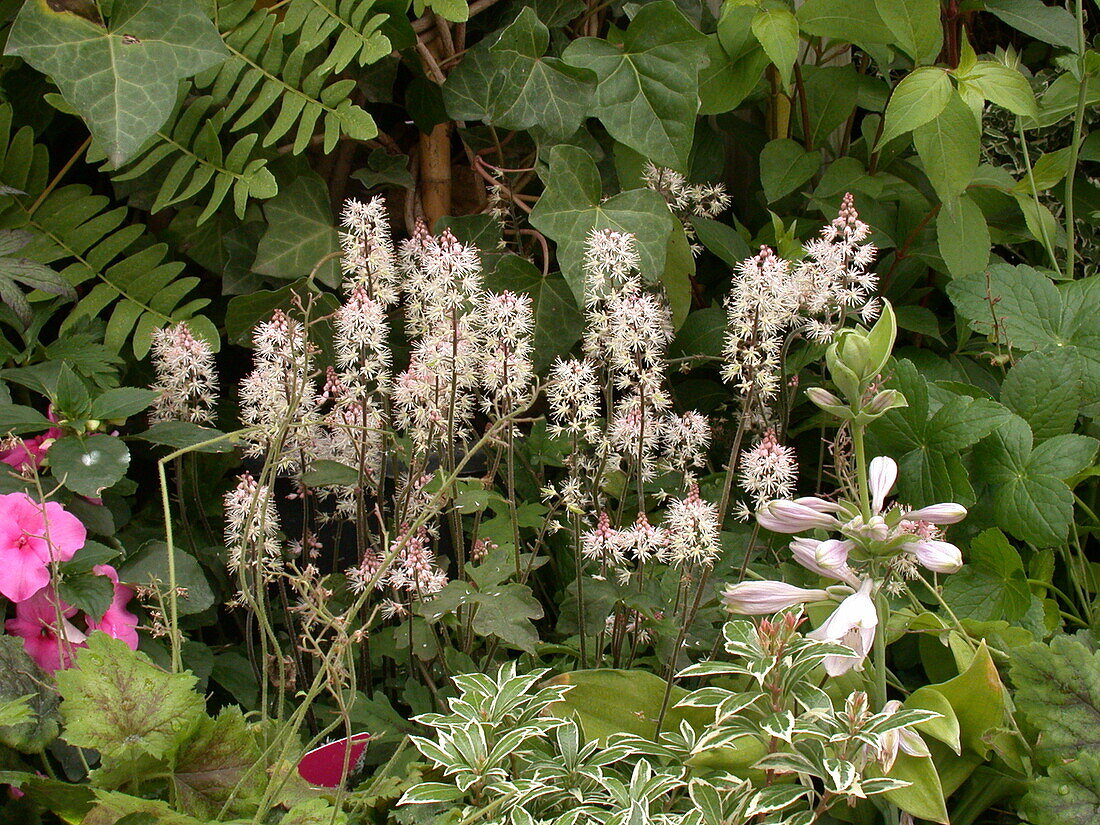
x=946, y=726
x=978, y=698
x=183, y=434
x=917, y=99
x=1024, y=302
x=300, y=233
x=23, y=679
x=784, y=166
x=607, y=701
x=117, y=701
x=1051, y=24
x=17, y=419
x=121, y=74
x=777, y=31
x=89, y=465
x=1064, y=455
x=854, y=21
x=724, y=241
x=325, y=473
x=648, y=92
x=727, y=81
x=117, y=808
x=1028, y=501
x=963, y=236
x=384, y=169
x=916, y=25
x=1070, y=795
x=993, y=584
x=923, y=797
x=572, y=205
x=511, y=83
x=121, y=402
x=1048, y=171
x=88, y=592
x=149, y=567
x=948, y=145
x=558, y=320
x=1044, y=388
x=1058, y=692
x=216, y=762
x=1006, y=87
x=506, y=611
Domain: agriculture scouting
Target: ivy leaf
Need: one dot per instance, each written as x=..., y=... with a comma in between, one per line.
x=572, y=206
x=928, y=436
x=506, y=612
x=510, y=83
x=209, y=766
x=948, y=146
x=784, y=166
x=1029, y=498
x=121, y=74
x=918, y=98
x=648, y=92
x=300, y=233
x=1044, y=388
x=1070, y=795
x=993, y=584
x=916, y=25
x=1058, y=691
x=117, y=701
x=558, y=320
x=89, y=465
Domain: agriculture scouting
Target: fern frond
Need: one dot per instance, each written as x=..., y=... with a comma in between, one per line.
x=271, y=71
x=188, y=155
x=359, y=37
x=88, y=240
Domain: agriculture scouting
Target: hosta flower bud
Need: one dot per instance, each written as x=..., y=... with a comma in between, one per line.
x=765, y=598
x=805, y=552
x=782, y=516
x=886, y=400
x=946, y=513
x=882, y=474
x=937, y=556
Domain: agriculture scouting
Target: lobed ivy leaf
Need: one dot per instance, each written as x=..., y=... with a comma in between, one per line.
x=120, y=73
x=511, y=83
x=572, y=205
x=648, y=92
x=300, y=233
x=1026, y=486
x=117, y=701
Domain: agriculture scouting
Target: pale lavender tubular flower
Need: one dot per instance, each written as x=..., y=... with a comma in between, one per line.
x=904, y=739
x=946, y=513
x=782, y=516
x=805, y=553
x=853, y=625
x=937, y=556
x=882, y=474
x=767, y=597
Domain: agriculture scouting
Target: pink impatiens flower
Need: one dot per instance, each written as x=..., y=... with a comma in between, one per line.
x=30, y=452
x=117, y=621
x=36, y=621
x=30, y=535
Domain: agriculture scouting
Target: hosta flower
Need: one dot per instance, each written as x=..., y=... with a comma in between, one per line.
x=826, y=558
x=853, y=625
x=36, y=622
x=765, y=598
x=782, y=516
x=31, y=535
x=903, y=739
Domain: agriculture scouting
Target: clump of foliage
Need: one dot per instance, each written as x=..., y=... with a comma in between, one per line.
x=476, y=376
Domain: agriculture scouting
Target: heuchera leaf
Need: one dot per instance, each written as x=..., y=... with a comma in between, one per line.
x=120, y=74
x=117, y=701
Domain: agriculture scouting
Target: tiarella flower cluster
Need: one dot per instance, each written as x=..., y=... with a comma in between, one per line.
x=833, y=279
x=33, y=538
x=872, y=553
x=368, y=260
x=769, y=470
x=686, y=200
x=252, y=529
x=187, y=382
x=507, y=375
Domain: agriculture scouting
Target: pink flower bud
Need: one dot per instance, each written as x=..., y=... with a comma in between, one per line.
x=946, y=513
x=937, y=556
x=781, y=516
x=805, y=552
x=882, y=474
x=765, y=598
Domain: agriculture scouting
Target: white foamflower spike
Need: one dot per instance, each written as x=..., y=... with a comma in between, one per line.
x=882, y=473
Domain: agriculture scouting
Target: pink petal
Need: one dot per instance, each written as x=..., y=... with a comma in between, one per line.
x=67, y=533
